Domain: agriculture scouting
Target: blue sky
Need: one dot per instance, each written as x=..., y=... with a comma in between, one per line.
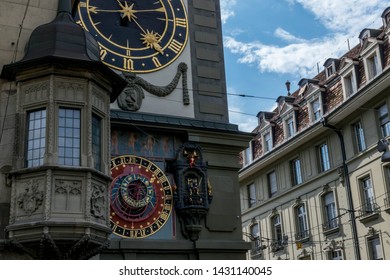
x=267, y=42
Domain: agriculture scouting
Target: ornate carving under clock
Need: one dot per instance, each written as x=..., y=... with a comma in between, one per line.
x=193, y=193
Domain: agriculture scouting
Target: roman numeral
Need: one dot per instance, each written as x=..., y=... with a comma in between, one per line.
x=128, y=64
x=156, y=62
x=181, y=22
x=175, y=46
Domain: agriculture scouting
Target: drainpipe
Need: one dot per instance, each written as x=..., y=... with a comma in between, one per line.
x=348, y=188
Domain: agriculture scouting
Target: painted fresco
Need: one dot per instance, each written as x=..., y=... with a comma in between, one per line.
x=142, y=144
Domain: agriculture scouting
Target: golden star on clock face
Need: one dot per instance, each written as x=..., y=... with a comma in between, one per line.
x=139, y=36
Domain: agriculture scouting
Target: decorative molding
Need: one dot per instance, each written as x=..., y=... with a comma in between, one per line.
x=131, y=97
x=98, y=201
x=30, y=200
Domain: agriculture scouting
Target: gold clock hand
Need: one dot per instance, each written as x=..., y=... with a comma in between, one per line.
x=151, y=39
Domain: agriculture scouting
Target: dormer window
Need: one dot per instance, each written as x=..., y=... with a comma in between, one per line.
x=290, y=127
x=316, y=105
x=349, y=79
x=373, y=67
x=330, y=66
x=267, y=141
x=329, y=71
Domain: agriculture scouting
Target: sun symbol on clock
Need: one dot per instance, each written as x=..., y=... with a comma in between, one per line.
x=151, y=39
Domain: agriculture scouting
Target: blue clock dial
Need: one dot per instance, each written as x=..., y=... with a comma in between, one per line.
x=136, y=35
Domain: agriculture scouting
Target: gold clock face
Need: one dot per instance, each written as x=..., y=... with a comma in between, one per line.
x=138, y=36
x=140, y=197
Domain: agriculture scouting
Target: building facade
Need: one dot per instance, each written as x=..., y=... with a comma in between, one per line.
x=315, y=180
x=115, y=141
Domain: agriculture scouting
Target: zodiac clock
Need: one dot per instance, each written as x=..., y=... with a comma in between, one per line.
x=141, y=197
x=138, y=36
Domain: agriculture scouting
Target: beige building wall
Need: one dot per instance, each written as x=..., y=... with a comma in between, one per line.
x=360, y=227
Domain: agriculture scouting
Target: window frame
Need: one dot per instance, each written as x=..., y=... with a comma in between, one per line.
x=97, y=155
x=323, y=157
x=373, y=253
x=290, y=127
x=34, y=143
x=272, y=184
x=63, y=136
x=330, y=214
x=384, y=120
x=359, y=136
x=267, y=138
x=251, y=190
x=302, y=223
x=296, y=171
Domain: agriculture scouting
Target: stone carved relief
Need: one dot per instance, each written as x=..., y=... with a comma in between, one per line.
x=67, y=196
x=30, y=200
x=98, y=201
x=69, y=187
x=35, y=92
x=131, y=97
x=68, y=90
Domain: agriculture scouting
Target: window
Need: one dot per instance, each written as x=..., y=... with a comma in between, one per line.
x=268, y=141
x=248, y=155
x=296, y=172
x=375, y=248
x=335, y=255
x=255, y=239
x=373, y=67
x=359, y=136
x=36, y=138
x=277, y=229
x=252, y=198
x=330, y=214
x=272, y=186
x=290, y=127
x=329, y=70
x=316, y=107
x=69, y=137
x=302, y=228
x=368, y=195
x=384, y=121
x=349, y=85
x=324, y=157
x=96, y=142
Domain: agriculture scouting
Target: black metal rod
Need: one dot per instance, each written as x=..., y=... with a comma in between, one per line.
x=348, y=189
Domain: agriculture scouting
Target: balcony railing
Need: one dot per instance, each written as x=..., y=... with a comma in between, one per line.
x=369, y=211
x=330, y=226
x=302, y=236
x=387, y=202
x=256, y=248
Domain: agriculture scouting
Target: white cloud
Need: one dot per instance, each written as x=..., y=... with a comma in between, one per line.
x=344, y=19
x=227, y=9
x=346, y=16
x=300, y=58
x=287, y=36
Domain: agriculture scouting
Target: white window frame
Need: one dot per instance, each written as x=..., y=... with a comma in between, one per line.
x=359, y=136
x=324, y=158
x=267, y=140
x=290, y=127
x=296, y=171
x=375, y=250
x=252, y=194
x=384, y=125
x=272, y=183
x=371, y=59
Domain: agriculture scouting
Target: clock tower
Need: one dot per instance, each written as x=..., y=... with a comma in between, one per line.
x=157, y=151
